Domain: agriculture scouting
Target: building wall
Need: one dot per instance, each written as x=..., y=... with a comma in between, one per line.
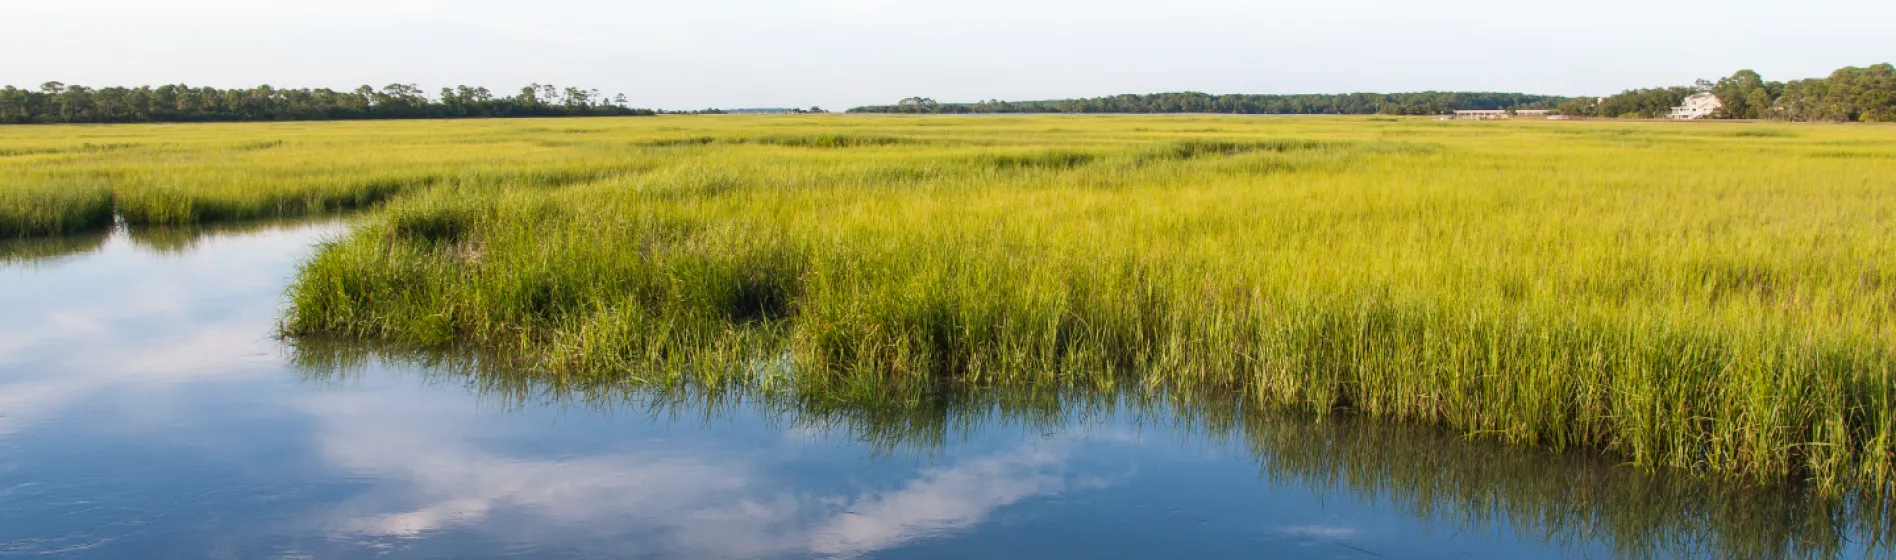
x=1697, y=106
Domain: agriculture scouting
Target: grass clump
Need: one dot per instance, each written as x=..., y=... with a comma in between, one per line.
x=54, y=208
x=1043, y=159
x=1193, y=149
x=690, y=141
x=828, y=140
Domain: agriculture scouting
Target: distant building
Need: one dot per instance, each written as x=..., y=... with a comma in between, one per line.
x=1495, y=114
x=1480, y=114
x=1697, y=106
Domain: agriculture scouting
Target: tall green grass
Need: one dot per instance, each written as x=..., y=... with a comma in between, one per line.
x=54, y=209
x=1678, y=294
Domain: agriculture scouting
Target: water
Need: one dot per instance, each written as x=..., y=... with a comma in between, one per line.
x=146, y=411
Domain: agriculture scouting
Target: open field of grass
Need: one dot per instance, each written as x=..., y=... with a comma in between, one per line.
x=1714, y=297
x=65, y=179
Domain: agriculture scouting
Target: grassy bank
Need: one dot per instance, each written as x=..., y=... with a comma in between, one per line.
x=1713, y=297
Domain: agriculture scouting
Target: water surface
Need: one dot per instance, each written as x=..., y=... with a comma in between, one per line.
x=146, y=411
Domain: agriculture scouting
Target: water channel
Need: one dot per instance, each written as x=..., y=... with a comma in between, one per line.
x=147, y=411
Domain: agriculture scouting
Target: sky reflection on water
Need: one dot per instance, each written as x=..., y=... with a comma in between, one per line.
x=146, y=411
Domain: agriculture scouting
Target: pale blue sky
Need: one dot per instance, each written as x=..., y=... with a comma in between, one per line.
x=840, y=53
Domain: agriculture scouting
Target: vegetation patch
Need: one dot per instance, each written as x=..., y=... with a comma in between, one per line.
x=1193, y=149
x=827, y=140
x=671, y=142
x=1045, y=159
x=54, y=209
x=436, y=223
x=1756, y=133
x=1849, y=154
x=13, y=152
x=258, y=145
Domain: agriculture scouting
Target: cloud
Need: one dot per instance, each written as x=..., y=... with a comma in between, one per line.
x=1325, y=532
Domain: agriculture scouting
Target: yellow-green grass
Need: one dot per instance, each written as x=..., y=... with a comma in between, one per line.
x=62, y=179
x=1713, y=297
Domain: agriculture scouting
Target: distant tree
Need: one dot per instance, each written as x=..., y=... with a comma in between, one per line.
x=1745, y=95
x=578, y=98
x=1181, y=102
x=1579, y=107
x=58, y=102
x=919, y=105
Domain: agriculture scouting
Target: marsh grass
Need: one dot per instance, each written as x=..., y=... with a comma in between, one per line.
x=57, y=181
x=1721, y=304
x=54, y=209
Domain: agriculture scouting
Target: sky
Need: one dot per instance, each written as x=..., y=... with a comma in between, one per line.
x=684, y=54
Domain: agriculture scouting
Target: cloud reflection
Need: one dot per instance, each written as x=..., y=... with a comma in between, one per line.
x=129, y=319
x=942, y=500
x=660, y=498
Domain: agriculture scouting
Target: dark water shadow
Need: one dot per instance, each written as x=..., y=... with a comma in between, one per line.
x=48, y=250
x=167, y=240
x=186, y=238
x=1571, y=500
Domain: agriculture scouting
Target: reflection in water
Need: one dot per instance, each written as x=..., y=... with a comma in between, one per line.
x=181, y=239
x=1578, y=501
x=29, y=250
x=724, y=507
x=158, y=239
x=73, y=328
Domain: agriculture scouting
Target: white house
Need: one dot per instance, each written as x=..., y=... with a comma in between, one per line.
x=1697, y=106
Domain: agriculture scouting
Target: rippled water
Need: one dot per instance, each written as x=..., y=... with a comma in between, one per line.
x=146, y=411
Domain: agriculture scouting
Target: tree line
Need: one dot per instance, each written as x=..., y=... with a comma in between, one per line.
x=1848, y=95
x=55, y=102
x=1419, y=103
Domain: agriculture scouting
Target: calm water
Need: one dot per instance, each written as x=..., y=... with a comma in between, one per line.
x=146, y=412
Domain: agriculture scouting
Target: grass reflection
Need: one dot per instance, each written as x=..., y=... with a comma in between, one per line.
x=164, y=240
x=44, y=250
